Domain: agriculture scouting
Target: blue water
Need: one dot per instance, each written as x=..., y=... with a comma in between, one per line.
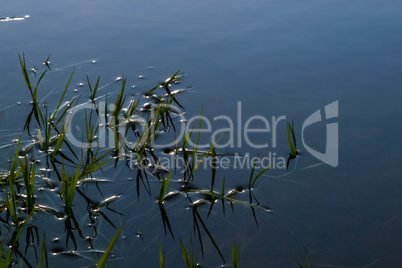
x=278, y=58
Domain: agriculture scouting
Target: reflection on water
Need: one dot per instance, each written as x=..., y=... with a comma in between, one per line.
x=14, y=18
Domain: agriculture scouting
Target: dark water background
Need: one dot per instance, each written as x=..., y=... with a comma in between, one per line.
x=277, y=58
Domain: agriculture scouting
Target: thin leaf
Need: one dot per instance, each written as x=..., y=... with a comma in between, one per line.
x=105, y=255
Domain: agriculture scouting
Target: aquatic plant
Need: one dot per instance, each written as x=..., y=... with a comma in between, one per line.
x=118, y=106
x=28, y=172
x=292, y=139
x=188, y=256
x=36, y=111
x=69, y=184
x=163, y=189
x=292, y=142
x=252, y=179
x=175, y=77
x=161, y=257
x=50, y=156
x=299, y=263
x=235, y=256
x=105, y=255
x=47, y=63
x=34, y=95
x=93, y=90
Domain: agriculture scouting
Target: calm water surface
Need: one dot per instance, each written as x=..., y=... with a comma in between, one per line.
x=278, y=58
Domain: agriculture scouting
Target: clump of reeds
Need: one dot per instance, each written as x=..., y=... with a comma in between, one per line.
x=74, y=169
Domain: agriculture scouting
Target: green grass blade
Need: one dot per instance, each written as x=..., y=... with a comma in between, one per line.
x=59, y=142
x=11, y=206
x=119, y=101
x=208, y=153
x=292, y=130
x=13, y=166
x=66, y=109
x=172, y=78
x=235, y=256
x=105, y=255
x=62, y=96
x=24, y=72
x=161, y=257
x=152, y=90
x=291, y=146
x=188, y=256
x=252, y=173
x=164, y=187
x=47, y=62
x=222, y=196
x=307, y=257
x=259, y=175
x=44, y=262
x=17, y=234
